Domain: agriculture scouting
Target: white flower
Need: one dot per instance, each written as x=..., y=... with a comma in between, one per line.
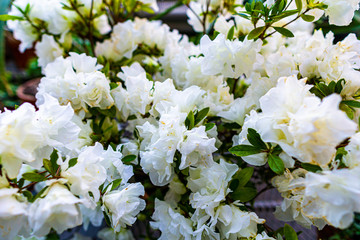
x=47, y=50
x=138, y=89
x=304, y=127
x=234, y=223
x=352, y=158
x=123, y=205
x=333, y=196
x=197, y=148
x=19, y=138
x=13, y=214
x=340, y=12
x=229, y=58
x=209, y=185
x=88, y=174
x=58, y=210
x=170, y=222
x=96, y=91
x=176, y=189
x=109, y=234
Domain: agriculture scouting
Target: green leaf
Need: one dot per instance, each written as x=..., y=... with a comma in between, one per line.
x=284, y=31
x=199, y=116
x=290, y=233
x=244, y=194
x=230, y=34
x=107, y=219
x=298, y=5
x=244, y=150
x=39, y=194
x=310, y=167
x=28, y=195
x=348, y=110
x=307, y=18
x=255, y=139
x=6, y=17
x=276, y=164
x=339, y=86
x=351, y=103
x=190, y=121
x=34, y=177
x=113, y=85
x=128, y=159
x=27, y=9
x=48, y=166
x=244, y=176
x=52, y=236
x=209, y=126
x=72, y=162
x=115, y=184
x=255, y=33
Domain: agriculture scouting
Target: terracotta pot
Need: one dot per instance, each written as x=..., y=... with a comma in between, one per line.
x=26, y=92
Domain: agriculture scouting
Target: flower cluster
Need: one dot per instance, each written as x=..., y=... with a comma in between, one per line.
x=133, y=121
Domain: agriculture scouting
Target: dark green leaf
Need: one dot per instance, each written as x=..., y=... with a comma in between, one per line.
x=52, y=236
x=190, y=120
x=348, y=110
x=230, y=34
x=244, y=176
x=255, y=139
x=307, y=18
x=255, y=33
x=209, y=126
x=128, y=159
x=199, y=116
x=352, y=103
x=339, y=86
x=244, y=194
x=244, y=150
x=6, y=17
x=107, y=219
x=39, y=194
x=276, y=164
x=284, y=31
x=28, y=195
x=289, y=233
x=234, y=184
x=33, y=177
x=310, y=167
x=72, y=162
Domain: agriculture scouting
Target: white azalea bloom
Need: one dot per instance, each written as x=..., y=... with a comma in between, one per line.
x=303, y=126
x=328, y=192
x=352, y=158
x=19, y=138
x=123, y=205
x=170, y=222
x=13, y=214
x=229, y=58
x=340, y=12
x=176, y=189
x=88, y=174
x=234, y=223
x=47, y=50
x=197, y=148
x=96, y=91
x=59, y=210
x=209, y=184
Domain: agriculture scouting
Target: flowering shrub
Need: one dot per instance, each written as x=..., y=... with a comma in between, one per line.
x=134, y=121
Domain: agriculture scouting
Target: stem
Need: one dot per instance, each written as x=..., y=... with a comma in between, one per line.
x=283, y=25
